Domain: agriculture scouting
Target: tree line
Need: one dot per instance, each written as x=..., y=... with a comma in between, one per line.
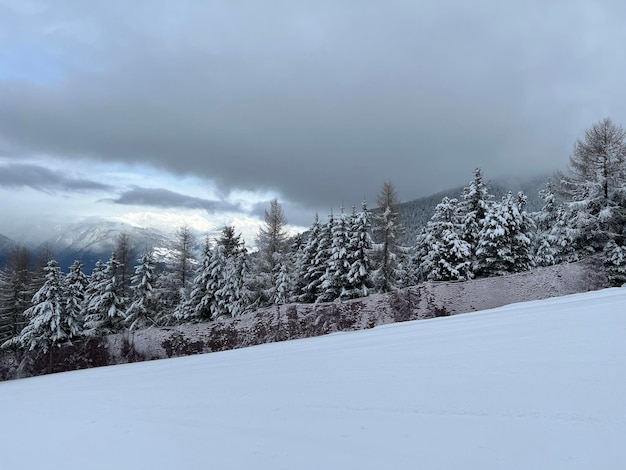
x=350, y=254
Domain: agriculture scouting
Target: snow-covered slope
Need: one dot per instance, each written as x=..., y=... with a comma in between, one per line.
x=536, y=385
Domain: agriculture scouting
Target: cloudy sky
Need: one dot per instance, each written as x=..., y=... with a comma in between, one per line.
x=202, y=111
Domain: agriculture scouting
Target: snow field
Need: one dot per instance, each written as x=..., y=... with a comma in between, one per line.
x=533, y=385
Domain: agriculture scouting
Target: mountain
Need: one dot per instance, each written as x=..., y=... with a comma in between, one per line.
x=536, y=385
x=415, y=214
x=96, y=239
x=6, y=246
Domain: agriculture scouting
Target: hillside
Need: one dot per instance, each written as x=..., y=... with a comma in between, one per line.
x=279, y=323
x=6, y=246
x=534, y=385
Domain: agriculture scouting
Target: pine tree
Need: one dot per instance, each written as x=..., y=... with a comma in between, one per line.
x=215, y=299
x=75, y=287
x=198, y=306
x=232, y=294
x=312, y=268
x=106, y=310
x=335, y=279
x=142, y=311
x=523, y=229
x=472, y=210
x=359, y=280
x=283, y=288
x=494, y=255
x=233, y=290
x=47, y=326
x=505, y=245
x=448, y=255
x=615, y=263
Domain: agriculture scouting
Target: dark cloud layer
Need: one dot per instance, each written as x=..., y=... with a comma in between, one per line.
x=159, y=197
x=320, y=100
x=44, y=179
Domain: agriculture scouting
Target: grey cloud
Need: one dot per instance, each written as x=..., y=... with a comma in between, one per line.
x=43, y=179
x=322, y=100
x=158, y=197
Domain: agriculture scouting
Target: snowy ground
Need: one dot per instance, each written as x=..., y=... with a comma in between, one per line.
x=539, y=385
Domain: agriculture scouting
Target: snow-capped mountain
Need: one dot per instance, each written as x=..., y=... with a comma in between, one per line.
x=96, y=239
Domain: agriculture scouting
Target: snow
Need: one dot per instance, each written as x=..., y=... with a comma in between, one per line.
x=533, y=385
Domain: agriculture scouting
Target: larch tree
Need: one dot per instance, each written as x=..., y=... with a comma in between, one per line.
x=387, y=233
x=124, y=255
x=594, y=186
x=16, y=293
x=272, y=244
x=183, y=248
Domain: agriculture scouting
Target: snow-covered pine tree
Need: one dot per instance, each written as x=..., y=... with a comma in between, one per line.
x=143, y=310
x=493, y=255
x=546, y=241
x=472, y=210
x=317, y=271
x=448, y=255
x=308, y=282
x=416, y=269
x=215, y=283
x=282, y=291
x=197, y=307
x=47, y=325
x=359, y=279
x=106, y=310
x=523, y=230
x=75, y=287
x=92, y=290
x=615, y=263
x=505, y=244
x=233, y=291
x=335, y=279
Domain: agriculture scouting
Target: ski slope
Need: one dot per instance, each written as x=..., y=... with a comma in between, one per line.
x=538, y=385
